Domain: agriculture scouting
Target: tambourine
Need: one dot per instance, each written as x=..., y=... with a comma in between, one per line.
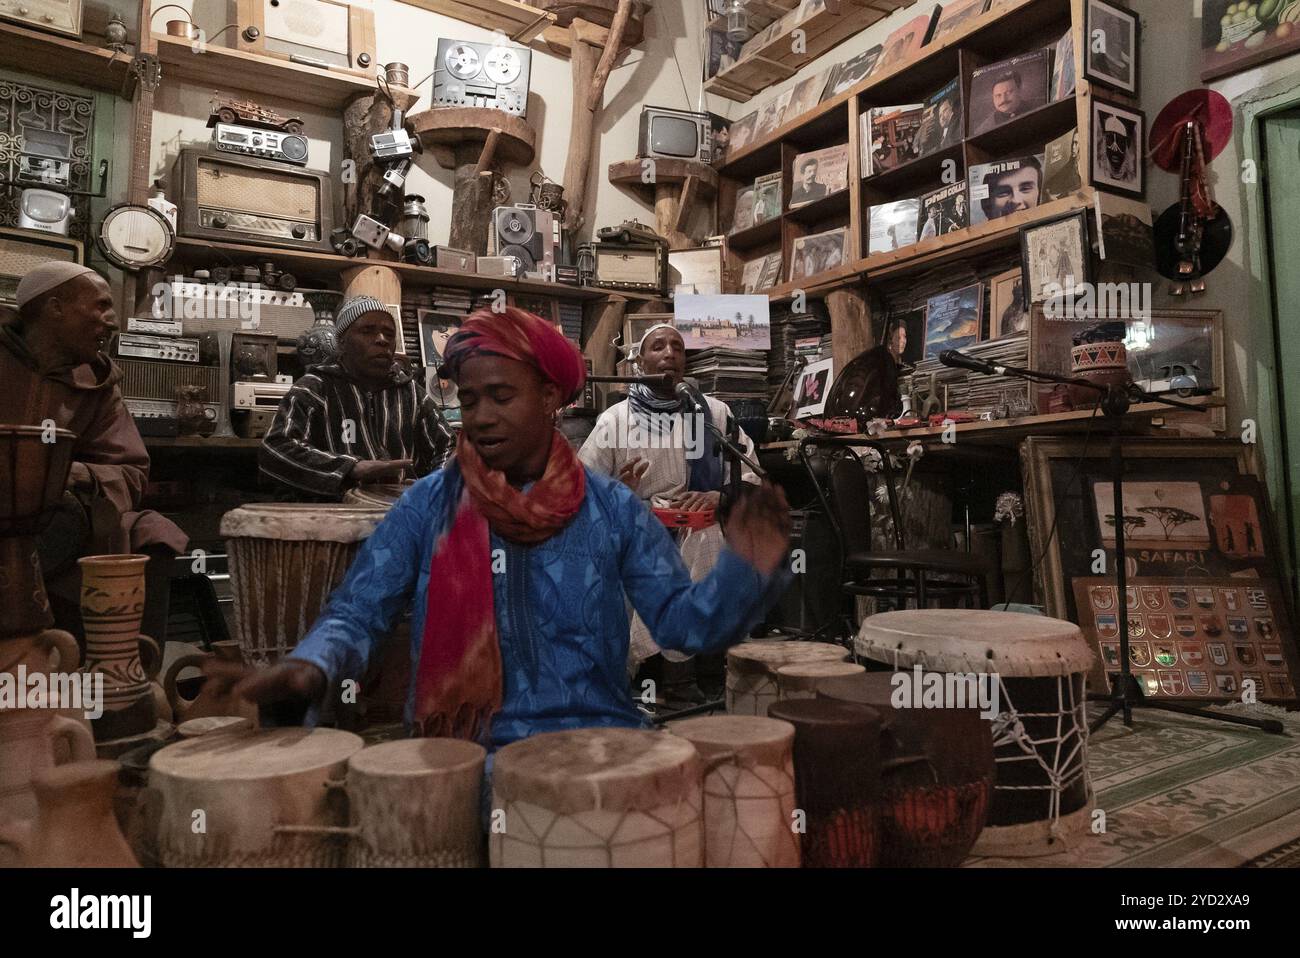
x=681, y=519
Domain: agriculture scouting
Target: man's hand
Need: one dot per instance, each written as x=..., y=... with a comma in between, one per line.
x=758, y=529
x=697, y=501
x=291, y=679
x=630, y=472
x=79, y=476
x=380, y=470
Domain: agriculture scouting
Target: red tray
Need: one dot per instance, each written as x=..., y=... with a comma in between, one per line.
x=679, y=519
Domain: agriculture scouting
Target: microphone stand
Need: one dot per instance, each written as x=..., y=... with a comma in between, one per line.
x=1126, y=694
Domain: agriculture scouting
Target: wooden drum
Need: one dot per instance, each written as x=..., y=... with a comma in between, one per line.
x=597, y=798
x=416, y=803
x=752, y=667
x=1042, y=796
x=380, y=495
x=285, y=559
x=936, y=774
x=267, y=799
x=748, y=790
x=802, y=679
x=837, y=780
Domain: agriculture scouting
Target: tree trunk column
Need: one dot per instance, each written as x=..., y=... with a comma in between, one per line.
x=471, y=204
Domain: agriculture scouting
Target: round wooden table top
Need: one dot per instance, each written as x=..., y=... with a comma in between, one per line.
x=627, y=175
x=442, y=129
x=599, y=12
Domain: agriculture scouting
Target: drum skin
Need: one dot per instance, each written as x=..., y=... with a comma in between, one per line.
x=752, y=667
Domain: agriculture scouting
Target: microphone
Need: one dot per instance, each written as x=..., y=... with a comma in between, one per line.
x=959, y=360
x=690, y=394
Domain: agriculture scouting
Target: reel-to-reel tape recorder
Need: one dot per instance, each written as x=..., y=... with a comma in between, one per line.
x=482, y=75
x=526, y=233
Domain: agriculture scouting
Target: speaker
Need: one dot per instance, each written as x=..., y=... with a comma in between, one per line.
x=526, y=233
x=23, y=250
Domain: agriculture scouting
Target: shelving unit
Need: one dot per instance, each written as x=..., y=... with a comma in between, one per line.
x=521, y=22
x=63, y=58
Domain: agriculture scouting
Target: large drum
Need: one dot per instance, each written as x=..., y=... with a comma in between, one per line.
x=380, y=495
x=752, y=667
x=285, y=559
x=597, y=798
x=1036, y=666
x=936, y=773
x=416, y=804
x=269, y=798
x=748, y=790
x=837, y=780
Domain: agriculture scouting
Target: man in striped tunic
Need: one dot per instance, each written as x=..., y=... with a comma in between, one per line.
x=355, y=421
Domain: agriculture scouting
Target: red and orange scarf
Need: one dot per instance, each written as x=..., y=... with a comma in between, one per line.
x=458, y=678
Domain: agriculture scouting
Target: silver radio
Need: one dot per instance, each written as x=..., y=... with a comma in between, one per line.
x=180, y=349
x=203, y=307
x=261, y=395
x=267, y=144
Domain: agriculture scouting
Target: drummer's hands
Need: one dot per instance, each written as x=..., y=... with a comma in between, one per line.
x=380, y=470
x=697, y=501
x=288, y=680
x=758, y=529
x=630, y=472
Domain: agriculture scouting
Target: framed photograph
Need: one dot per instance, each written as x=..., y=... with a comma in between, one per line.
x=734, y=322
x=1206, y=607
x=695, y=271
x=812, y=388
x=436, y=328
x=1112, y=52
x=1055, y=256
x=1004, y=91
x=819, y=174
x=1118, y=138
x=1008, y=313
x=815, y=254
x=1233, y=38
x=952, y=319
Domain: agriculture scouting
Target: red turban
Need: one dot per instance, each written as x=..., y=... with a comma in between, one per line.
x=522, y=336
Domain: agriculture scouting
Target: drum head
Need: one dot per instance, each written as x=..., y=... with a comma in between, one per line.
x=975, y=640
x=760, y=739
x=328, y=522
x=768, y=655
x=271, y=753
x=418, y=756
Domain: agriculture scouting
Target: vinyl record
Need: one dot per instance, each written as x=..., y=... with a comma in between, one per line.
x=1215, y=243
x=1208, y=107
x=523, y=255
x=515, y=227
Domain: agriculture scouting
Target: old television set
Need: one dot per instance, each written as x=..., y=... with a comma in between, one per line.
x=675, y=134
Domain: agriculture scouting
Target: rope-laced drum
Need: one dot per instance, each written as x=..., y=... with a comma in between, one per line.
x=415, y=803
x=1037, y=666
x=285, y=559
x=752, y=666
x=266, y=798
x=748, y=790
x=597, y=798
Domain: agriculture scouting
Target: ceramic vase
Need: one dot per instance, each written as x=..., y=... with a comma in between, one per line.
x=112, y=604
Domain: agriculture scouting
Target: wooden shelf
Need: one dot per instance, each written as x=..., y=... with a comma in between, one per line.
x=227, y=70
x=212, y=443
x=1037, y=126
x=755, y=236
x=626, y=175
x=777, y=61
x=828, y=207
x=519, y=21
x=62, y=58
x=326, y=266
x=914, y=174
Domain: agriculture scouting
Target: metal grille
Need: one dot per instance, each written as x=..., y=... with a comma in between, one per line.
x=260, y=192
x=143, y=379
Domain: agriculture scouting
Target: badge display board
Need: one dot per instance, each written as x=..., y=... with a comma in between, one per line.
x=1193, y=638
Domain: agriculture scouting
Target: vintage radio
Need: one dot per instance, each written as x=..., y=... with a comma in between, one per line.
x=460, y=260
x=321, y=33
x=508, y=266
x=675, y=134
x=260, y=395
x=267, y=144
x=154, y=327
x=526, y=233
x=213, y=307
x=181, y=349
x=24, y=250
x=243, y=199
x=253, y=358
x=482, y=75
x=150, y=386
x=56, y=16
x=641, y=268
x=44, y=210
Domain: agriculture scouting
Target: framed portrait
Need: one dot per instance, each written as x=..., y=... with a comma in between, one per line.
x=436, y=328
x=811, y=390
x=1118, y=138
x=1207, y=610
x=1008, y=313
x=1236, y=37
x=1054, y=256
x=1111, y=57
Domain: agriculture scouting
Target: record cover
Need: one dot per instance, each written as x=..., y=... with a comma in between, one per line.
x=952, y=319
x=771, y=274
x=1004, y=91
x=851, y=72
x=817, y=253
x=1063, y=76
x=744, y=216
x=943, y=211
x=941, y=121
x=903, y=45
x=955, y=16
x=819, y=174
x=807, y=94
x=772, y=115
x=1061, y=166
x=1006, y=187
x=767, y=197
x=894, y=132
x=893, y=225
x=742, y=133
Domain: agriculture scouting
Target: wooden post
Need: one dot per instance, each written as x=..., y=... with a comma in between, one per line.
x=471, y=203
x=599, y=347
x=850, y=325
x=582, y=131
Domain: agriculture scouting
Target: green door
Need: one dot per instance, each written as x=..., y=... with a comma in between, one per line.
x=1281, y=140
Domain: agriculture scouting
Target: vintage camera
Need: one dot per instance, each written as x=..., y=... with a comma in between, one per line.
x=344, y=243
x=266, y=274
x=418, y=251
x=392, y=145
x=376, y=235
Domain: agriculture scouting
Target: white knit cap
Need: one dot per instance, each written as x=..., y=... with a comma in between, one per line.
x=636, y=350
x=46, y=277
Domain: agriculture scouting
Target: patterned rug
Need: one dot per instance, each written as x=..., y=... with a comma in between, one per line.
x=1182, y=791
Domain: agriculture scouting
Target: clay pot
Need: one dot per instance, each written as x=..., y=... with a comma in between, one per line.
x=30, y=741
x=1105, y=364
x=52, y=652
x=112, y=604
x=74, y=827
x=214, y=696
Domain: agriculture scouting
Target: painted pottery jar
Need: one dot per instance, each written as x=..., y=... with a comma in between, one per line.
x=112, y=604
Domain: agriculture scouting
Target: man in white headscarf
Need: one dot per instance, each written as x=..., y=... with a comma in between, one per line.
x=666, y=456
x=53, y=369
